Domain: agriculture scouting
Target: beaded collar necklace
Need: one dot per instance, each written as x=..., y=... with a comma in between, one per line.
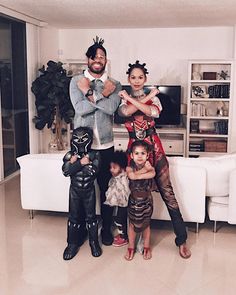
x=138, y=94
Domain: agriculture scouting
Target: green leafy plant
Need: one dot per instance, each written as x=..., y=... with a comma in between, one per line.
x=52, y=100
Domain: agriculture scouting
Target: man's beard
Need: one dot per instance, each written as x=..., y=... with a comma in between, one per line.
x=97, y=71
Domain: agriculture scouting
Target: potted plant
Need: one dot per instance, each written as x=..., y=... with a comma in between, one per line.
x=52, y=101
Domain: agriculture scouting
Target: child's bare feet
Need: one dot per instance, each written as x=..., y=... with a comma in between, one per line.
x=184, y=251
x=147, y=253
x=129, y=254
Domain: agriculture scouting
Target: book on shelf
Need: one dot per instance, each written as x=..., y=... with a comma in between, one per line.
x=221, y=127
x=196, y=150
x=196, y=146
x=198, y=109
x=194, y=126
x=207, y=131
x=219, y=91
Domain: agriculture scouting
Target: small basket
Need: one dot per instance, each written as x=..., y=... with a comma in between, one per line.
x=215, y=146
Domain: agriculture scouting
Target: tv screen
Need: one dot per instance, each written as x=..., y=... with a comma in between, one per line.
x=170, y=97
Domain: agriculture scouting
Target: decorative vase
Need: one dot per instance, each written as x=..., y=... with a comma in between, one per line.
x=58, y=141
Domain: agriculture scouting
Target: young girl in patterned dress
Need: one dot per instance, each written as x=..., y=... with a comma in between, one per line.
x=140, y=207
x=141, y=109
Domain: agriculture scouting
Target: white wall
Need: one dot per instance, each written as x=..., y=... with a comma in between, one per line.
x=164, y=50
x=42, y=45
x=49, y=42
x=32, y=37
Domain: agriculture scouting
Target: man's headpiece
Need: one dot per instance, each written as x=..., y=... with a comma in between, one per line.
x=137, y=65
x=92, y=50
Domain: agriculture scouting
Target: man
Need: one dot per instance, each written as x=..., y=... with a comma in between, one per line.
x=95, y=98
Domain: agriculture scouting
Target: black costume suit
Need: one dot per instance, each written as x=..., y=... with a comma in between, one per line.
x=82, y=197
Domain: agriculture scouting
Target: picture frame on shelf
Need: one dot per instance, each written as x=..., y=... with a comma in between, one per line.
x=199, y=91
x=74, y=67
x=209, y=75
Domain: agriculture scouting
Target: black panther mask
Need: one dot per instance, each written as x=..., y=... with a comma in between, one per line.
x=81, y=141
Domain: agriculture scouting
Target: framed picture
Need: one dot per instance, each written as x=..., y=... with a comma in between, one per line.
x=76, y=67
x=199, y=91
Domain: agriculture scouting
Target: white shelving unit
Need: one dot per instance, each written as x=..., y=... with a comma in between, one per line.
x=173, y=139
x=209, y=107
x=121, y=137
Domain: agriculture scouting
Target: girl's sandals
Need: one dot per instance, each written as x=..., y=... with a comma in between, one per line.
x=147, y=254
x=129, y=254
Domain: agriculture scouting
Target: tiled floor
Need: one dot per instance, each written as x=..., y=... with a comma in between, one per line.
x=31, y=259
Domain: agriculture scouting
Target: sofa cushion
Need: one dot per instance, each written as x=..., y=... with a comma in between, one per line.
x=218, y=171
x=228, y=156
x=220, y=200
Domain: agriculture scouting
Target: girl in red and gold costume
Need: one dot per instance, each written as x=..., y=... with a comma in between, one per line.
x=140, y=110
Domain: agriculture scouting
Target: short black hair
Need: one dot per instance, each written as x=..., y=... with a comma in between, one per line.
x=92, y=50
x=120, y=158
x=141, y=143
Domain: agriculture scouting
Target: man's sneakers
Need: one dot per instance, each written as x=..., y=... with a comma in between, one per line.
x=119, y=241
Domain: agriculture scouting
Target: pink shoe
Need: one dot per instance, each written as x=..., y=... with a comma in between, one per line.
x=119, y=242
x=117, y=237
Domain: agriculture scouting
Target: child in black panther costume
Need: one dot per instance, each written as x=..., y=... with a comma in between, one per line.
x=81, y=164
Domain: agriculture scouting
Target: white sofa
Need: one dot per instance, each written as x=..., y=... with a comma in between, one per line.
x=220, y=185
x=43, y=187
x=42, y=183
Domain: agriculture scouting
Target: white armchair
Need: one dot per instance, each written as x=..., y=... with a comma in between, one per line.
x=220, y=186
x=232, y=198
x=43, y=185
x=224, y=208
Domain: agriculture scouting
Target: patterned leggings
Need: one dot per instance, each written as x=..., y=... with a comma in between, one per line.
x=163, y=182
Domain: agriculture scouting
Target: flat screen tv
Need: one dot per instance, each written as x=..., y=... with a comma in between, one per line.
x=170, y=97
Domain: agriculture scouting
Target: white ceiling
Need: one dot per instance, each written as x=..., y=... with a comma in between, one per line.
x=127, y=13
